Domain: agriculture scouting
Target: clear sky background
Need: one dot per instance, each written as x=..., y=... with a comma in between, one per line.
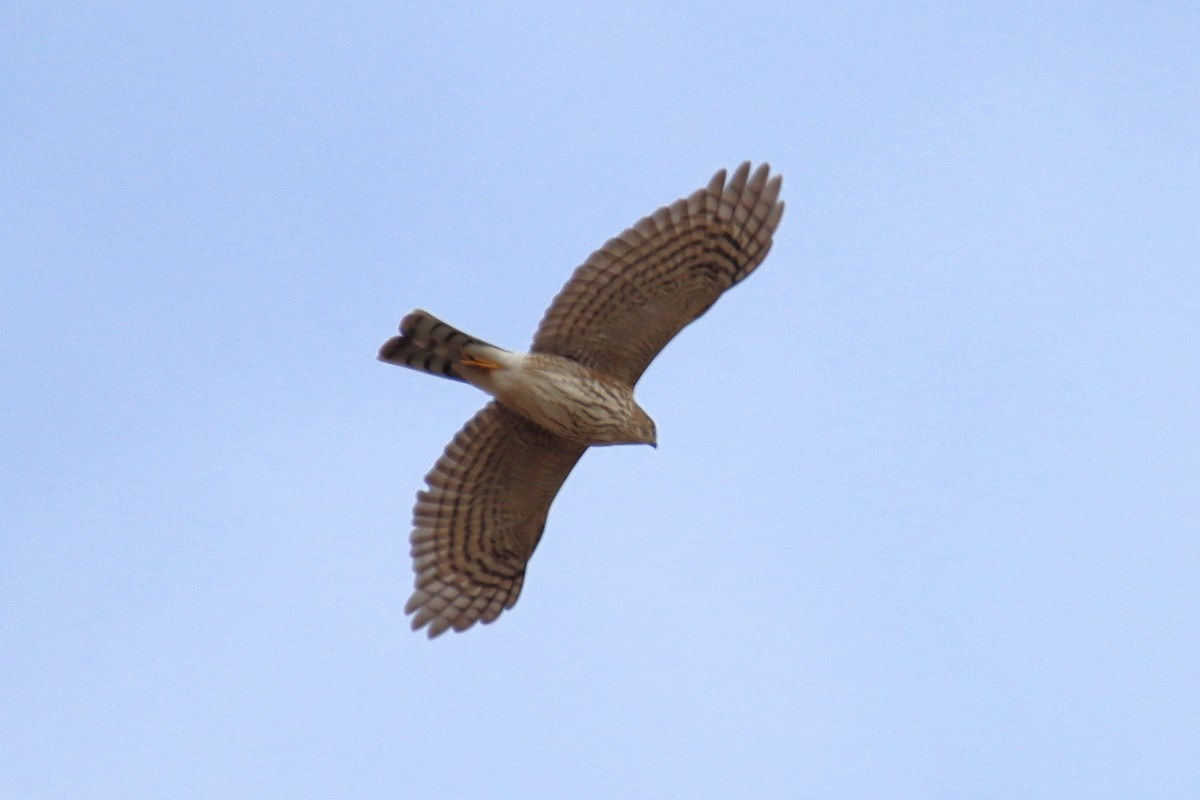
x=944, y=541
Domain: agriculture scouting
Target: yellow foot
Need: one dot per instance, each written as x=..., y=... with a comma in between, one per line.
x=478, y=363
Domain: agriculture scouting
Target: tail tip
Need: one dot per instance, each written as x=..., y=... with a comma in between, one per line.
x=387, y=352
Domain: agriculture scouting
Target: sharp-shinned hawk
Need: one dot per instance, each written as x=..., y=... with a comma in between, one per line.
x=481, y=517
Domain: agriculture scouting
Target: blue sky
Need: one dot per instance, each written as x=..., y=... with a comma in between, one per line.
x=945, y=543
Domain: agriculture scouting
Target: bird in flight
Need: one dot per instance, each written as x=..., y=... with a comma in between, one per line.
x=481, y=516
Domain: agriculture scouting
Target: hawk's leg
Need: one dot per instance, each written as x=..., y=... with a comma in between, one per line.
x=478, y=363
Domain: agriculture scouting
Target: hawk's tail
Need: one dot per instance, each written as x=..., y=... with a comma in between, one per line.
x=429, y=345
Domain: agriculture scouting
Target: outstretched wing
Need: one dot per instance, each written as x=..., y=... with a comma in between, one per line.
x=630, y=298
x=476, y=526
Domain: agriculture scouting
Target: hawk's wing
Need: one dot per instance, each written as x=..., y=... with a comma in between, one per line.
x=622, y=306
x=478, y=523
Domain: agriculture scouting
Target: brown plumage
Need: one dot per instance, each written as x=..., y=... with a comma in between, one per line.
x=479, y=521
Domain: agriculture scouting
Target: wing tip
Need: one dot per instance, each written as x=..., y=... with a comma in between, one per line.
x=742, y=178
x=440, y=611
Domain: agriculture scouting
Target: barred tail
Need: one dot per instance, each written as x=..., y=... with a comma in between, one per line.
x=429, y=345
